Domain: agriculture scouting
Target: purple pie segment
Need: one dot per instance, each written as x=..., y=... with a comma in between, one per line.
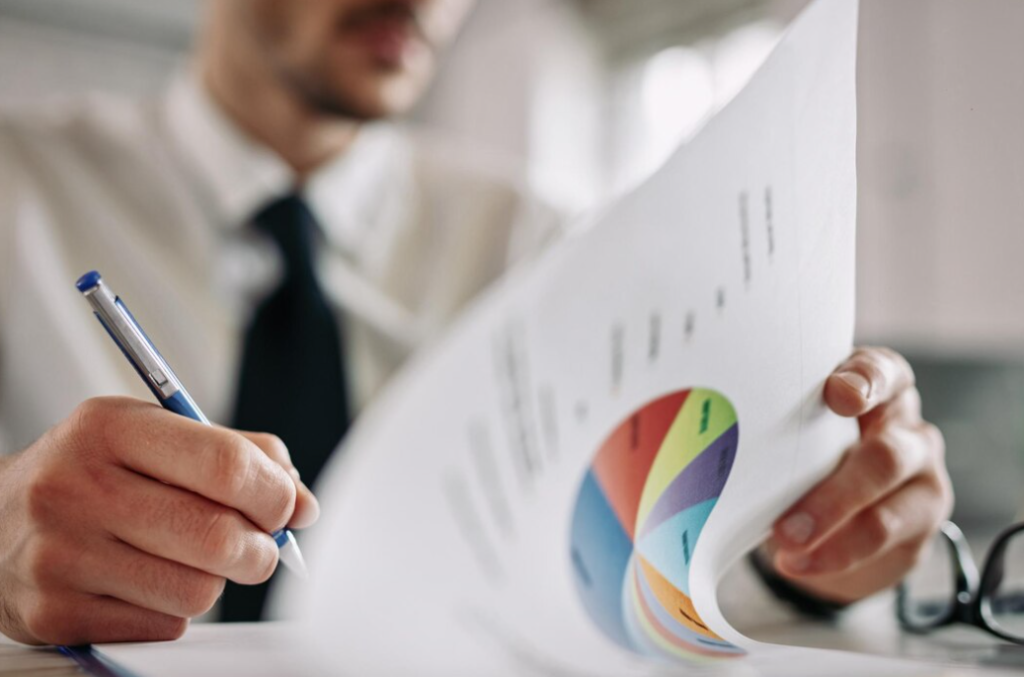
x=701, y=480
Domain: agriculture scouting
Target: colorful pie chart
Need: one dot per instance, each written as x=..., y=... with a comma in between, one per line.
x=638, y=518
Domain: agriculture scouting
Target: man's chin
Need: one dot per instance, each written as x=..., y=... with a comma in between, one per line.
x=381, y=100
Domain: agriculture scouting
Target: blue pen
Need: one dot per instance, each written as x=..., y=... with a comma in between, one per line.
x=115, y=317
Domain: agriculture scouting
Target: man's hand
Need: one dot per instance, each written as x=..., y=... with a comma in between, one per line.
x=124, y=520
x=864, y=527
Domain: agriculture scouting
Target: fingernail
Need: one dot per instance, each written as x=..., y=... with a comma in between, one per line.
x=798, y=528
x=857, y=382
x=797, y=563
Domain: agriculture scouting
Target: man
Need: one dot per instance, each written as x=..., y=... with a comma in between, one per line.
x=243, y=216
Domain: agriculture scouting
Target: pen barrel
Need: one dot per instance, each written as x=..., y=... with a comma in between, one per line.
x=119, y=322
x=180, y=403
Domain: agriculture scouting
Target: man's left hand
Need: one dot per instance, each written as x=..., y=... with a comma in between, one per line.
x=864, y=527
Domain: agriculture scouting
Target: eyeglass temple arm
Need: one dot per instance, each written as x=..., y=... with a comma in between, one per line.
x=967, y=576
x=995, y=566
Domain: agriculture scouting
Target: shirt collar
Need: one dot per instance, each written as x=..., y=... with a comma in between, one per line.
x=356, y=194
x=238, y=174
x=350, y=195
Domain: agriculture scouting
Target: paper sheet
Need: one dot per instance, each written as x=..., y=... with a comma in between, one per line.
x=227, y=649
x=558, y=486
x=276, y=650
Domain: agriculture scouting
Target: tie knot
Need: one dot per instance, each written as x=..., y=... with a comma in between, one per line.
x=292, y=226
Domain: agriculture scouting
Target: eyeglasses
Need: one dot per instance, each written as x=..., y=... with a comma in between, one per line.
x=946, y=588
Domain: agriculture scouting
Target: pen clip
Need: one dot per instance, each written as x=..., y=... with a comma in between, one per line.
x=126, y=332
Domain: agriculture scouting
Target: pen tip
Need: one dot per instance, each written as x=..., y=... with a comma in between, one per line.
x=292, y=558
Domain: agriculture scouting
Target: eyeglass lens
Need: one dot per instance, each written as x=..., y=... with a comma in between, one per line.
x=929, y=592
x=1005, y=602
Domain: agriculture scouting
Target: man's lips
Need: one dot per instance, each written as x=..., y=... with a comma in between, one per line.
x=391, y=31
x=389, y=40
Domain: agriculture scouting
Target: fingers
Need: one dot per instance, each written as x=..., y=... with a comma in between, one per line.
x=870, y=470
x=904, y=409
x=862, y=528
x=213, y=462
x=125, y=519
x=856, y=583
x=888, y=493
x=307, y=508
x=73, y=619
x=188, y=529
x=871, y=376
x=118, y=570
x=907, y=516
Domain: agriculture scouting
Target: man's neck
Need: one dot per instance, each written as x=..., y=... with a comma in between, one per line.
x=267, y=111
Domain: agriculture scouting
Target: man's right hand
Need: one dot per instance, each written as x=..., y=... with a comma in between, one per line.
x=124, y=521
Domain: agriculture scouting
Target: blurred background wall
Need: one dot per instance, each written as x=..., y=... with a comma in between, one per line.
x=593, y=94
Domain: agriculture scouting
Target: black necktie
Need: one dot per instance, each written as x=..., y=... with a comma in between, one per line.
x=291, y=381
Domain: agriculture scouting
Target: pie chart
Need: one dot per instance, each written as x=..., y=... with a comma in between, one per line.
x=638, y=517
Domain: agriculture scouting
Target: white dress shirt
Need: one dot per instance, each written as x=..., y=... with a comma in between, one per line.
x=158, y=197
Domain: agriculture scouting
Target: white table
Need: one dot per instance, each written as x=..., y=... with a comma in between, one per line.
x=255, y=650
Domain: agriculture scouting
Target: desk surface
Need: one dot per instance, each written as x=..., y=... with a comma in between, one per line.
x=27, y=662
x=209, y=648
x=963, y=649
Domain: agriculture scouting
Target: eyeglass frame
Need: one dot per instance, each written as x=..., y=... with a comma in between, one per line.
x=973, y=595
